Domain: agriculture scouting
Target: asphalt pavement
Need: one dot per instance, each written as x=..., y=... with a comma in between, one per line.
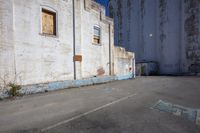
x=116, y=107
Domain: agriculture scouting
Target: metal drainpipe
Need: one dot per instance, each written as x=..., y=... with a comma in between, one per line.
x=134, y=68
x=110, y=62
x=74, y=39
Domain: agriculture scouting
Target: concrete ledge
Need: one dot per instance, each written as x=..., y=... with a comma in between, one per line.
x=124, y=77
x=39, y=88
x=3, y=94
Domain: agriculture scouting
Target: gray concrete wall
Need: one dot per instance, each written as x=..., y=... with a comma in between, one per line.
x=169, y=35
x=165, y=31
x=191, y=38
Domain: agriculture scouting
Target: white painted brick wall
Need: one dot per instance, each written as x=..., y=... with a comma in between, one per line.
x=36, y=58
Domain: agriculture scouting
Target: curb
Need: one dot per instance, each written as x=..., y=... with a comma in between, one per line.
x=59, y=85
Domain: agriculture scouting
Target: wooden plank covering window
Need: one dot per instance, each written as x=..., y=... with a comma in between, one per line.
x=96, y=39
x=48, y=22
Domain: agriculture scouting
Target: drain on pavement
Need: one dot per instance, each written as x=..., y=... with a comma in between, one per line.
x=178, y=110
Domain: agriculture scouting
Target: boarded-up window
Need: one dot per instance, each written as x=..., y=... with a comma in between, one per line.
x=48, y=22
x=97, y=35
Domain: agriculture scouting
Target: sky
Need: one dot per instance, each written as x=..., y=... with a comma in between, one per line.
x=105, y=3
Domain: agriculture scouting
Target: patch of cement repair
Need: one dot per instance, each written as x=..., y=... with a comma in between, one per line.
x=178, y=110
x=198, y=118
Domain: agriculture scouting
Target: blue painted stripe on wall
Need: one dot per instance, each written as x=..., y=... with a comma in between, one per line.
x=38, y=88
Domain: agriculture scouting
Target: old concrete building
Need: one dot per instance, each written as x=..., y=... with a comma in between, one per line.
x=45, y=41
x=161, y=31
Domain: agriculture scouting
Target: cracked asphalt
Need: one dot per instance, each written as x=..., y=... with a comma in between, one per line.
x=116, y=107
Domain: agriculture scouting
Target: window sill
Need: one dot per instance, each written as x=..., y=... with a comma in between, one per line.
x=48, y=35
x=97, y=44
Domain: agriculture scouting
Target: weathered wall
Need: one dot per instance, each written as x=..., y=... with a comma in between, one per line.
x=33, y=57
x=169, y=35
x=165, y=31
x=191, y=35
x=42, y=58
x=123, y=62
x=95, y=56
x=133, y=25
x=7, y=53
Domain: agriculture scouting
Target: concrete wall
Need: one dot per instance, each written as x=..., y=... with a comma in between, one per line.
x=164, y=31
x=30, y=57
x=7, y=52
x=41, y=58
x=95, y=57
x=169, y=35
x=123, y=62
x=191, y=35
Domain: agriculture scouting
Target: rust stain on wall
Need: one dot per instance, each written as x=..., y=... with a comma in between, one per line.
x=78, y=58
x=100, y=71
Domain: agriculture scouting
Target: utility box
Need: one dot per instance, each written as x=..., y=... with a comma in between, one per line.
x=147, y=68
